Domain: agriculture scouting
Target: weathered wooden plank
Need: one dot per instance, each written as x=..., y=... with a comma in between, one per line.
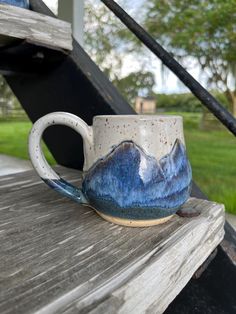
x=34, y=28
x=57, y=256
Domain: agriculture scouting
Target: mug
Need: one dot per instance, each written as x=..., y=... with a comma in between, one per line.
x=136, y=171
x=18, y=3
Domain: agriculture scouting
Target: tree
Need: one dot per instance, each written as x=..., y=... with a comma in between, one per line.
x=136, y=84
x=5, y=91
x=203, y=30
x=102, y=40
x=107, y=43
x=6, y=97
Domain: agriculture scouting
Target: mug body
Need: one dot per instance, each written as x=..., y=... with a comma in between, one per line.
x=137, y=171
x=18, y=3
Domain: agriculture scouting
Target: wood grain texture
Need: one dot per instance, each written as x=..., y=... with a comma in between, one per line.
x=34, y=28
x=59, y=257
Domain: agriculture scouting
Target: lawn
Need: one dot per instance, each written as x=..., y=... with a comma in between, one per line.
x=14, y=140
x=212, y=155
x=213, y=158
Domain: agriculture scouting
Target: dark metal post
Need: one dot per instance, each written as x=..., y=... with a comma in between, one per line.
x=196, y=88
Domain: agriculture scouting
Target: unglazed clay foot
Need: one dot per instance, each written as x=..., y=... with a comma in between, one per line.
x=188, y=212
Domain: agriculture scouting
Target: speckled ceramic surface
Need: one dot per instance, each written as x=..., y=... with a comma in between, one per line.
x=18, y=3
x=135, y=171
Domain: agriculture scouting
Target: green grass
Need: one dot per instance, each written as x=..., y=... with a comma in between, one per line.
x=212, y=155
x=213, y=158
x=14, y=140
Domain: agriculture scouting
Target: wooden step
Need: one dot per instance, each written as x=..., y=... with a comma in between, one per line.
x=33, y=28
x=57, y=256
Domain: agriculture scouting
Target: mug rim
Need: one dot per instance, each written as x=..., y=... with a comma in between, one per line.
x=140, y=117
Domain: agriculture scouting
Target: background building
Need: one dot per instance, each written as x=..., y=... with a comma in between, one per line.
x=145, y=105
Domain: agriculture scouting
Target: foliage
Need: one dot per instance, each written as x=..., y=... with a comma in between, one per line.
x=178, y=102
x=8, y=101
x=102, y=40
x=204, y=30
x=186, y=102
x=136, y=84
x=107, y=44
x=6, y=98
x=5, y=91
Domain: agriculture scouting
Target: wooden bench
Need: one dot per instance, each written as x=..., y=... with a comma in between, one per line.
x=57, y=256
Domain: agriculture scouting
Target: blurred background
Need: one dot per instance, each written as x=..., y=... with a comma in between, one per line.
x=201, y=35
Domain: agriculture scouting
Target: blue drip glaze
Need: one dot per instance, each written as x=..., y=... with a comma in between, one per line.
x=66, y=189
x=129, y=184
x=18, y=3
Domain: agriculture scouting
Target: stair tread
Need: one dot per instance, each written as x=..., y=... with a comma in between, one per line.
x=58, y=256
x=34, y=28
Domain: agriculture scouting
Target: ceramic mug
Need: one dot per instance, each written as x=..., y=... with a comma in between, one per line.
x=18, y=3
x=136, y=171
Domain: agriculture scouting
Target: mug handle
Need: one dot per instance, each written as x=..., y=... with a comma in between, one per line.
x=47, y=174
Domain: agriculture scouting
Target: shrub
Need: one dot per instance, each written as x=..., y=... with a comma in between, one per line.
x=185, y=102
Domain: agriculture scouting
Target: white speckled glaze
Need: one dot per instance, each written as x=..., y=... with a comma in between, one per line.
x=156, y=134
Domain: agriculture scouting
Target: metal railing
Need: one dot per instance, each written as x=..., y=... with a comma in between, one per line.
x=196, y=88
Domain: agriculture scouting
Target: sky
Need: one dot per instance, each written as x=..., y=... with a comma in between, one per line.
x=167, y=84
x=52, y=4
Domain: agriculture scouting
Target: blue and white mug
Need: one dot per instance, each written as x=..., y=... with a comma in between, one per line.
x=136, y=171
x=19, y=3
